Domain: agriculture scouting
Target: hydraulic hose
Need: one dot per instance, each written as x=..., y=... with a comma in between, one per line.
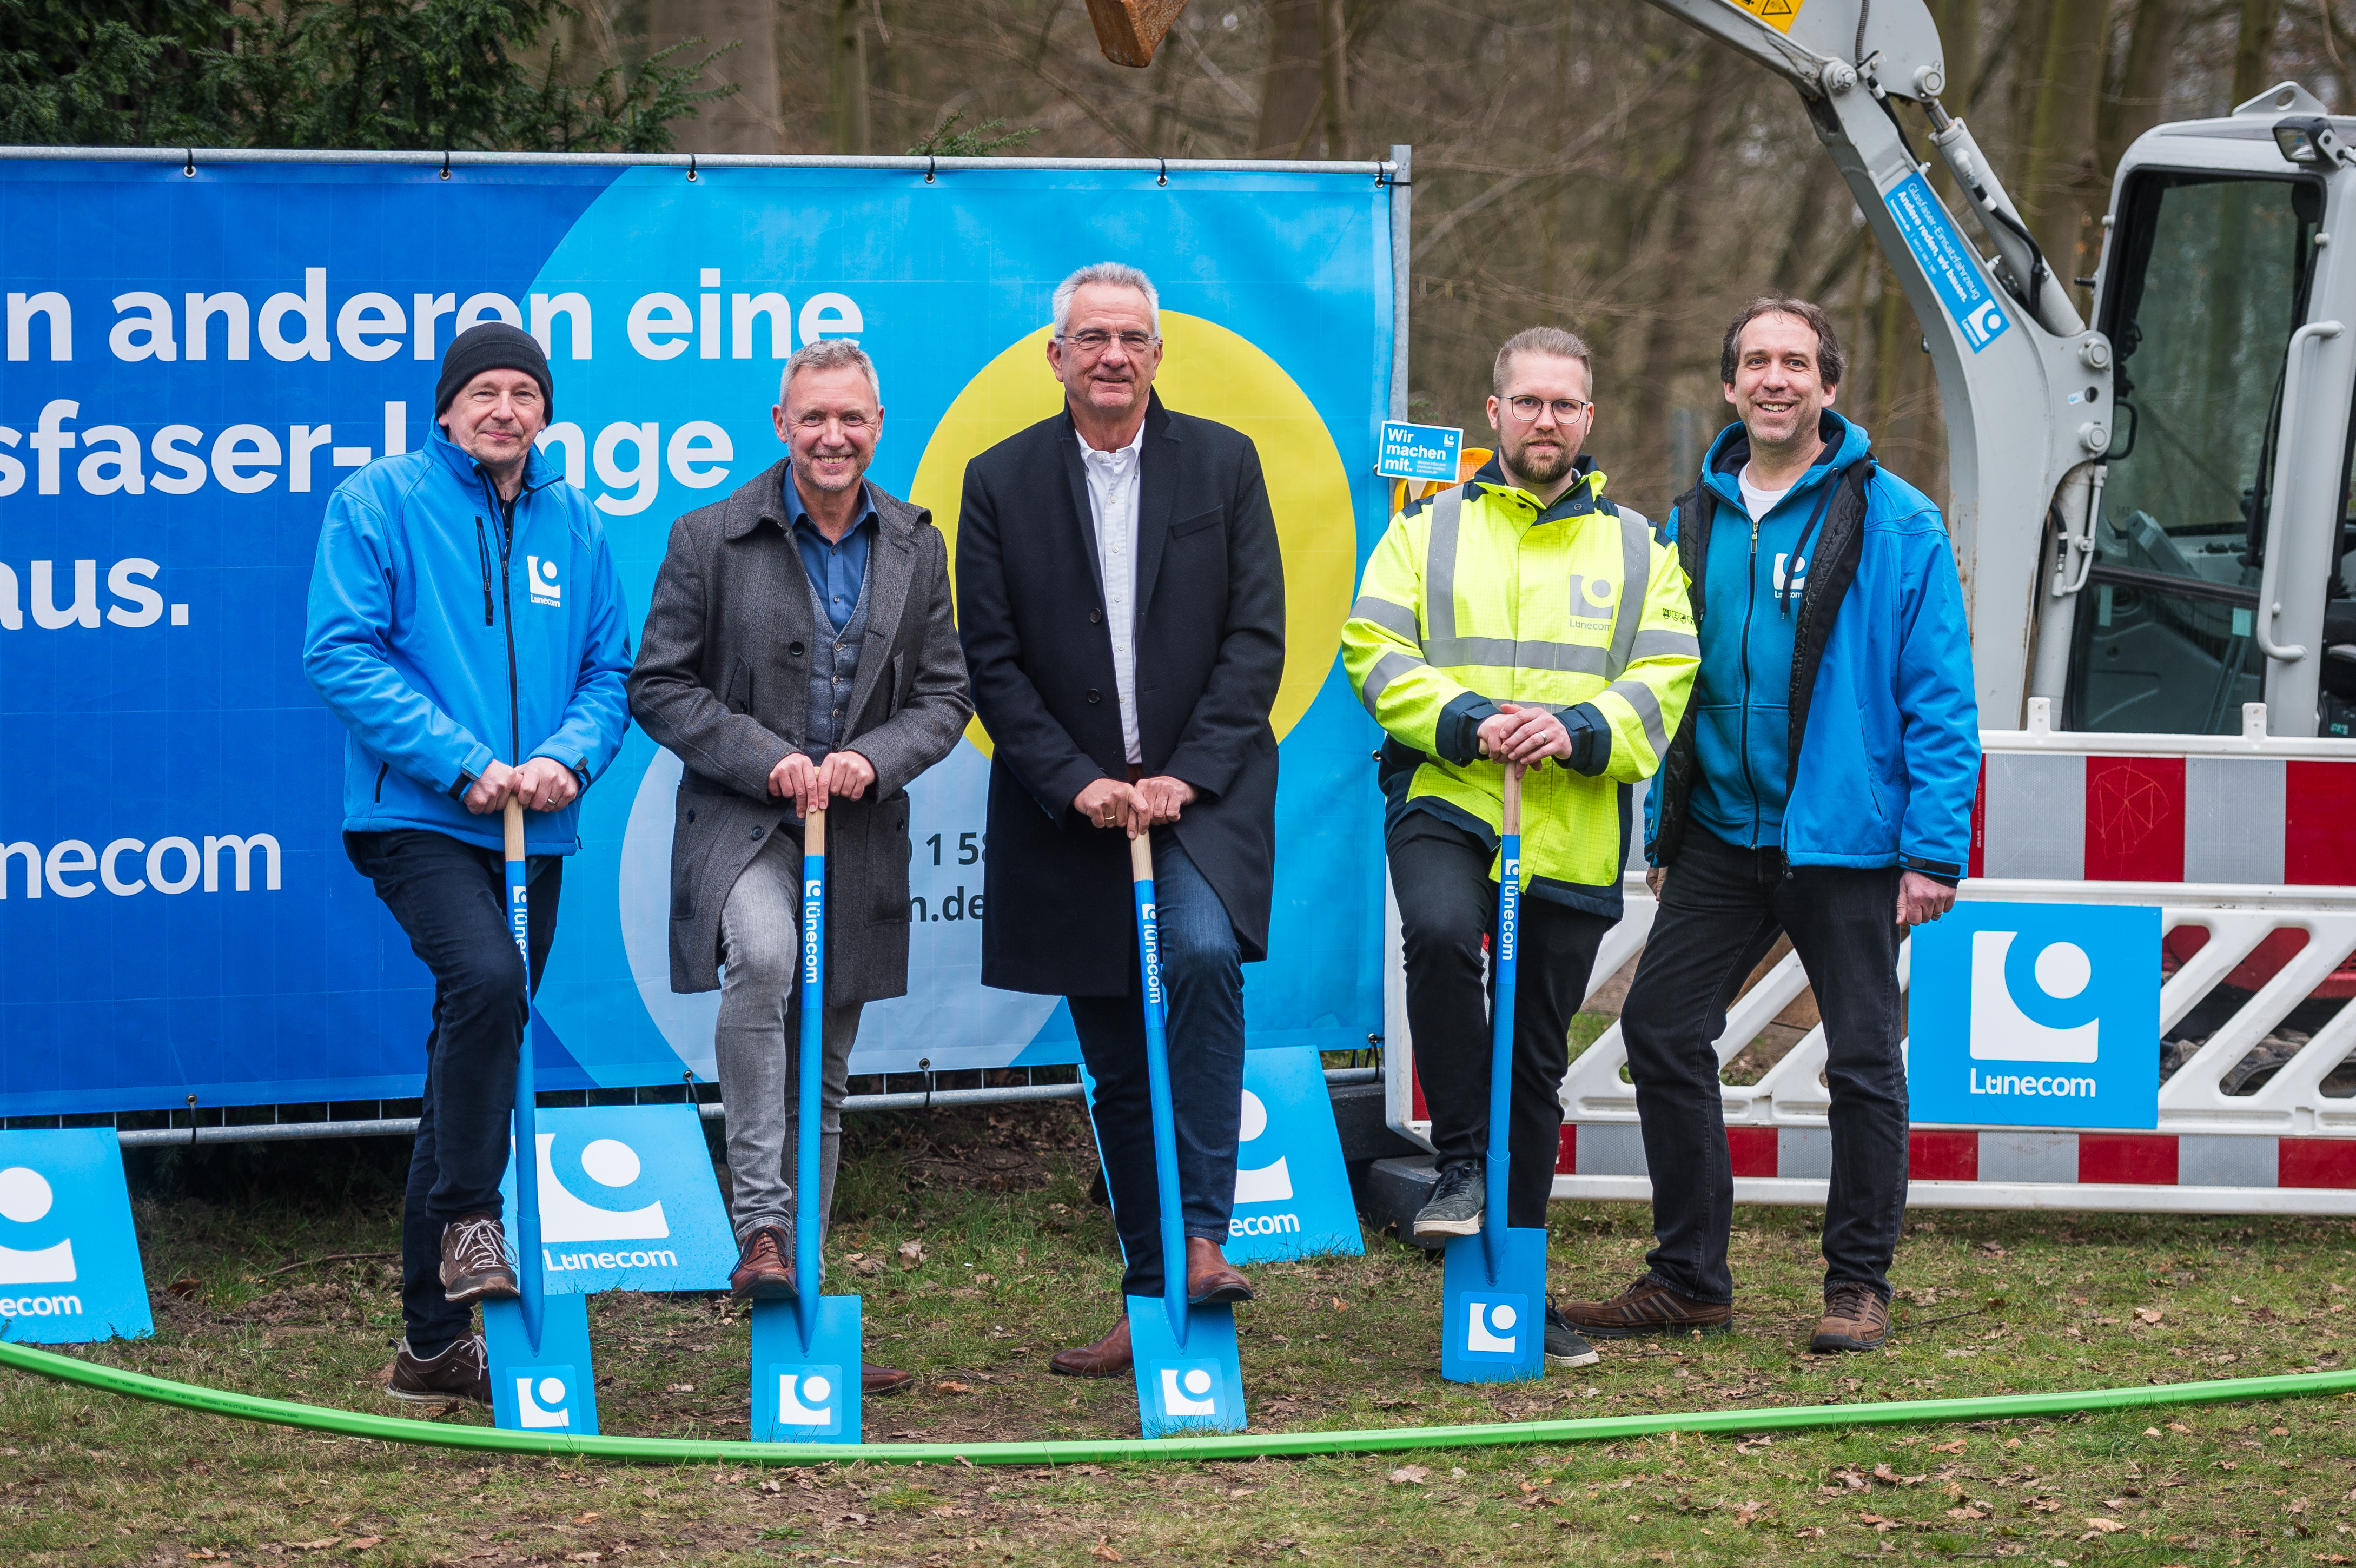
x=1241, y=1445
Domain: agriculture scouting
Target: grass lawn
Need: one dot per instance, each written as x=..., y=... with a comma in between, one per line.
x=1015, y=1262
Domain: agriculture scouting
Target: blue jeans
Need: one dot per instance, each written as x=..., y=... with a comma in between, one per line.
x=450, y=898
x=1203, y=976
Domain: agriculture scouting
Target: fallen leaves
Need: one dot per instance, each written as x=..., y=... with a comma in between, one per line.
x=320, y=1545
x=1409, y=1476
x=952, y=1386
x=1966, y=1511
x=1954, y=1448
x=2146, y=1315
x=912, y=1253
x=186, y=1287
x=2103, y=1525
x=861, y=1263
x=1749, y=1512
x=1103, y=1550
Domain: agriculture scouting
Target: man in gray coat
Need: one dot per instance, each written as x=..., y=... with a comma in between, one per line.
x=800, y=650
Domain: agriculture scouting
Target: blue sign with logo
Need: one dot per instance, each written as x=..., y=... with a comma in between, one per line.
x=545, y=1387
x=70, y=1268
x=627, y=1201
x=1292, y=1188
x=2037, y=1015
x=1952, y=268
x=1419, y=451
x=807, y=1392
x=1196, y=1387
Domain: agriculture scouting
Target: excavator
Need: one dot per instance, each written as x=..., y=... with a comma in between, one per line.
x=2150, y=513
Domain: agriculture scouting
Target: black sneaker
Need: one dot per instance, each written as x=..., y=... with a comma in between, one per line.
x=1565, y=1346
x=461, y=1372
x=1456, y=1204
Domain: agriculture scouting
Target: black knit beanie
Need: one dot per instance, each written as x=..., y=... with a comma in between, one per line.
x=491, y=346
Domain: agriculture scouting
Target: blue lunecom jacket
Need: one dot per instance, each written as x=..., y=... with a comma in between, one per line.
x=441, y=650
x=1869, y=724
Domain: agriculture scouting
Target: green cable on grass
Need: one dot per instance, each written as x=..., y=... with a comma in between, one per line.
x=1249, y=1446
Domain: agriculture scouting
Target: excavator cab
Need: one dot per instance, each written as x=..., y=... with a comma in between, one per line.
x=2217, y=573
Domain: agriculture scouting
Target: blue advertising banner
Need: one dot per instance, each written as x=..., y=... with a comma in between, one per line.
x=2036, y=1015
x=1292, y=1188
x=194, y=361
x=69, y=1271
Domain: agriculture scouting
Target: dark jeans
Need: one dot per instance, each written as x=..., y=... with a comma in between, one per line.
x=1721, y=909
x=1202, y=978
x=1447, y=905
x=452, y=899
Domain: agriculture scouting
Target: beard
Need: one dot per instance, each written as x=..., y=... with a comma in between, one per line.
x=1543, y=465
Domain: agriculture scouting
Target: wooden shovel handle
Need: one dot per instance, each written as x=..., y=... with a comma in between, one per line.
x=814, y=830
x=1513, y=799
x=515, y=828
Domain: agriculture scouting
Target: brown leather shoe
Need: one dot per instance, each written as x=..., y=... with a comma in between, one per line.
x=761, y=1274
x=1647, y=1307
x=475, y=1262
x=1210, y=1277
x=1854, y=1319
x=1107, y=1357
x=874, y=1379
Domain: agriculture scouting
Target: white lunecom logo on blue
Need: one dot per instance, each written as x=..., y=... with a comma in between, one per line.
x=1494, y=1324
x=69, y=1269
x=626, y=1201
x=2036, y=1015
x=544, y=1397
x=1292, y=1190
x=809, y=1399
x=1189, y=1389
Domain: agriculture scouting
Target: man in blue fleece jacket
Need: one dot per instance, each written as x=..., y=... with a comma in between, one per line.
x=467, y=627
x=1821, y=786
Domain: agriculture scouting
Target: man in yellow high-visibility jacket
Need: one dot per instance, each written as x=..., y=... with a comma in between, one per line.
x=1516, y=617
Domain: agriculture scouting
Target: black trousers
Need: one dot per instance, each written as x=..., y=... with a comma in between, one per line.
x=450, y=898
x=1447, y=905
x=1721, y=909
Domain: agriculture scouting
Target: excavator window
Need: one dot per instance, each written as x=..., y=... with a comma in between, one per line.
x=2209, y=277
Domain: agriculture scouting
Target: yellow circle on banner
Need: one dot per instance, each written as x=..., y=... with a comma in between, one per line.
x=1212, y=372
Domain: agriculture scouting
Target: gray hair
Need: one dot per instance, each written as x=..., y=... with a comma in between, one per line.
x=1109, y=274
x=828, y=354
x=1552, y=342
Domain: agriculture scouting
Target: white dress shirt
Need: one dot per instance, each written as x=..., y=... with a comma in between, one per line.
x=1115, y=485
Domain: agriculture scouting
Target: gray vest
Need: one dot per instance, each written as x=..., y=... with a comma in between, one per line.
x=835, y=664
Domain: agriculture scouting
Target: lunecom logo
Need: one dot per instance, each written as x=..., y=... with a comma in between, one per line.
x=73, y=868
x=26, y=1198
x=565, y=1215
x=541, y=575
x=1189, y=1388
x=543, y=1400
x=1492, y=1327
x=1270, y=1183
x=2001, y=1031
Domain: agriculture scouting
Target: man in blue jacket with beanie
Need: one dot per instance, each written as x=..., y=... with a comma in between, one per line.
x=467, y=625
x=1822, y=787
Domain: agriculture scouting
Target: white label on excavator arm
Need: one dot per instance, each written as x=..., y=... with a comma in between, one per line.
x=1954, y=270
x=1777, y=13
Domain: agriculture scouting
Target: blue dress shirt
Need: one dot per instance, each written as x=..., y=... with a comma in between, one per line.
x=837, y=568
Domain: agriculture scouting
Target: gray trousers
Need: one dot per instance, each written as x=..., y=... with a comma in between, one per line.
x=758, y=1043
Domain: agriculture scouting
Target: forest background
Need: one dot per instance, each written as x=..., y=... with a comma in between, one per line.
x=1592, y=164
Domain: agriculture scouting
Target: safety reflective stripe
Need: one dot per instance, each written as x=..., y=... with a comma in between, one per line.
x=1504, y=653
x=1395, y=618
x=1387, y=669
x=1635, y=558
x=1440, y=562
x=1652, y=644
x=1647, y=704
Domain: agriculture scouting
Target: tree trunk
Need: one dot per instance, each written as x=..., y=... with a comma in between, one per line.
x=2141, y=94
x=1291, y=86
x=1798, y=257
x=2253, y=49
x=746, y=120
x=2061, y=183
x=1690, y=207
x=853, y=124
x=1334, y=76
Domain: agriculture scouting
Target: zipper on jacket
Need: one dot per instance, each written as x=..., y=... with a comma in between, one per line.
x=483, y=548
x=506, y=608
x=1749, y=601
x=381, y=769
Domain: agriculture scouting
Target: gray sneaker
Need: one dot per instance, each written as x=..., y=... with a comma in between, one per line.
x=1565, y=1346
x=1456, y=1204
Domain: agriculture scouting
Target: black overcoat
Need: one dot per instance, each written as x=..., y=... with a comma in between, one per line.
x=1210, y=655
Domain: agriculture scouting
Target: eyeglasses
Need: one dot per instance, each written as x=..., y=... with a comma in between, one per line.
x=1093, y=342
x=1526, y=408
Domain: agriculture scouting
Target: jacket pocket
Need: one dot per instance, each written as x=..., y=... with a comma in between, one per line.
x=1196, y=523
x=690, y=847
x=739, y=695
x=891, y=851
x=381, y=769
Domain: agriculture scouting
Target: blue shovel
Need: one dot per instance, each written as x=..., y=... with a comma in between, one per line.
x=1188, y=1376
x=805, y=1352
x=1492, y=1286
x=542, y=1376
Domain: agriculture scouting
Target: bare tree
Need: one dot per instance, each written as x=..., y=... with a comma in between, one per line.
x=747, y=120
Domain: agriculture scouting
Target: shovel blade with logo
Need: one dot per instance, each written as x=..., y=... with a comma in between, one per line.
x=805, y=1351
x=1189, y=1378
x=1492, y=1284
x=537, y=1351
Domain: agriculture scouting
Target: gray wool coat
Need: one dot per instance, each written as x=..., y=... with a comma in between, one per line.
x=723, y=679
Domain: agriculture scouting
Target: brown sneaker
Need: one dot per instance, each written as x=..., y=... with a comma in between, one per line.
x=475, y=1262
x=761, y=1274
x=1648, y=1306
x=1854, y=1319
x=461, y=1372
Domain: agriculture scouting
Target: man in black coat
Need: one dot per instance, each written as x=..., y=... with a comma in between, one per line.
x=1120, y=597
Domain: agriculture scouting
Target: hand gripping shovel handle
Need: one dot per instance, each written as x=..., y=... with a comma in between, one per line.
x=1157, y=1073
x=809, y=1222
x=1501, y=947
x=527, y=1121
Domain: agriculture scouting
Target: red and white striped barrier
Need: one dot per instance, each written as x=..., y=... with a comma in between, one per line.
x=2248, y=845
